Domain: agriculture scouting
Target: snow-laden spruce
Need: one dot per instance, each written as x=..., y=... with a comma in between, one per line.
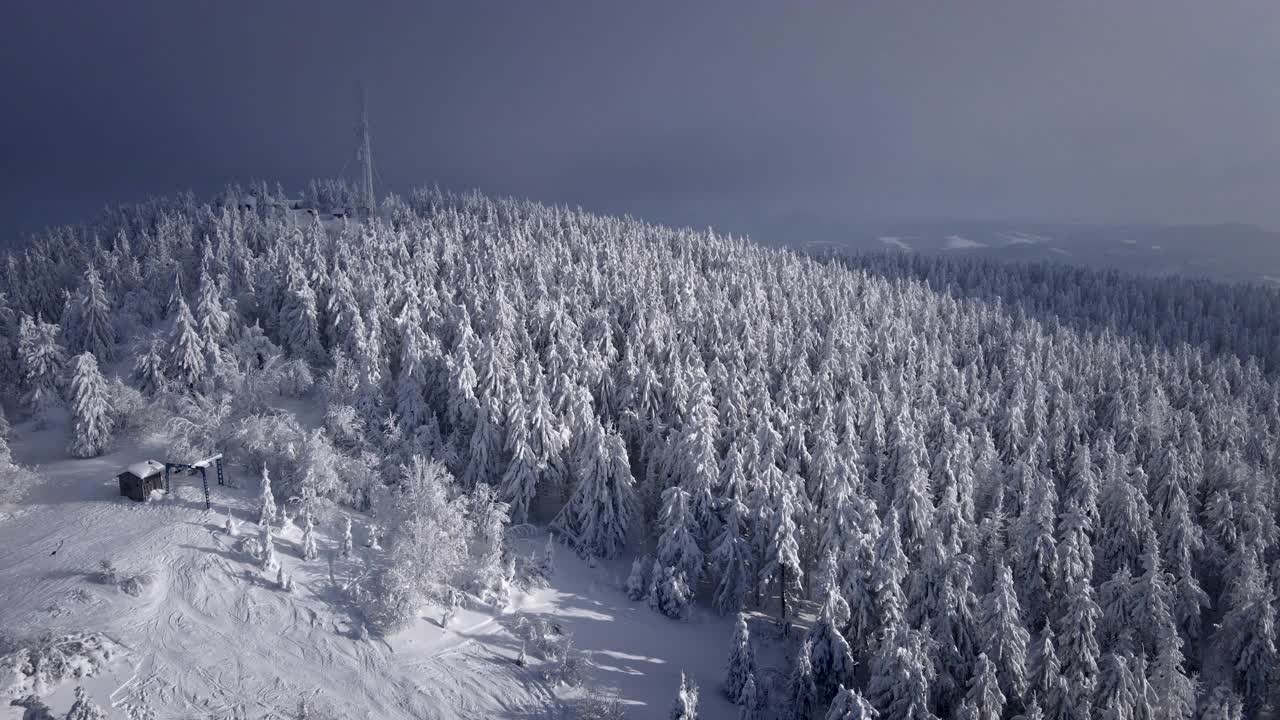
x=742, y=660
x=90, y=408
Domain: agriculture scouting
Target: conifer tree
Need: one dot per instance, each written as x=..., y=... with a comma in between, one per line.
x=266, y=501
x=677, y=543
x=637, y=585
x=268, y=559
x=1038, y=550
x=598, y=515
x=1046, y=682
x=686, y=705
x=984, y=690
x=742, y=660
x=899, y=683
x=1117, y=694
x=484, y=448
x=309, y=550
x=40, y=359
x=300, y=320
x=830, y=655
x=1079, y=649
x=97, y=331
x=411, y=385
x=1249, y=628
x=850, y=705
x=1174, y=692
x=730, y=559
x=84, y=708
x=751, y=706
x=1004, y=637
x=149, y=368
x=519, y=484
x=90, y=408
x=781, y=566
x=212, y=319
x=802, y=691
x=887, y=573
x=347, y=546
x=911, y=496
x=669, y=593
x=1181, y=541
x=185, y=360
x=1222, y=704
x=857, y=557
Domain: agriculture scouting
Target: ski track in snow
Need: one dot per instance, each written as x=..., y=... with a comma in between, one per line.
x=212, y=637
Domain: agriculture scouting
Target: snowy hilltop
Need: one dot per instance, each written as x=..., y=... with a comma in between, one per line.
x=493, y=459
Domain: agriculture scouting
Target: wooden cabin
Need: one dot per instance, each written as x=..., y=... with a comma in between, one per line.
x=139, y=479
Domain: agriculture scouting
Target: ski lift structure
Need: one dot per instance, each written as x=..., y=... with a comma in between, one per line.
x=200, y=466
x=139, y=479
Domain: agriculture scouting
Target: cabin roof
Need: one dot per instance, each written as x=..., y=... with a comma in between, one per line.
x=145, y=469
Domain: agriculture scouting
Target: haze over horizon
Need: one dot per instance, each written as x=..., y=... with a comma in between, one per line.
x=706, y=113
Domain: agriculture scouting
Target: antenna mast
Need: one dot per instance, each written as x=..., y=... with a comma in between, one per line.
x=364, y=157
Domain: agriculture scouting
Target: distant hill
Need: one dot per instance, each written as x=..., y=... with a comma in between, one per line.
x=1229, y=251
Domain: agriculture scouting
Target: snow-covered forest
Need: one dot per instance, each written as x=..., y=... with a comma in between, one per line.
x=963, y=489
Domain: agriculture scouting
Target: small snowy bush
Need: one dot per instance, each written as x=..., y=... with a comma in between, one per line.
x=135, y=585
x=599, y=704
x=567, y=668
x=129, y=408
x=15, y=479
x=107, y=574
x=36, y=665
x=345, y=426
x=251, y=547
x=84, y=708
x=33, y=708
x=295, y=378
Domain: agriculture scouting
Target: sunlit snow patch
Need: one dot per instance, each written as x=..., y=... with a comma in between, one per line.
x=1024, y=238
x=957, y=242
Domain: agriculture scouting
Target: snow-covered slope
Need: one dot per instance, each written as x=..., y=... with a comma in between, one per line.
x=212, y=636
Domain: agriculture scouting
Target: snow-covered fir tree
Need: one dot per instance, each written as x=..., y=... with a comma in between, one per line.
x=742, y=660
x=266, y=500
x=347, y=544
x=84, y=708
x=90, y=408
x=686, y=704
x=149, y=368
x=677, y=542
x=309, y=549
x=41, y=358
x=984, y=691
x=267, y=544
x=95, y=328
x=831, y=658
x=1004, y=637
x=850, y=705
x=186, y=358
x=750, y=703
x=780, y=569
x=802, y=690
x=669, y=591
x=730, y=559
x=637, y=584
x=600, y=511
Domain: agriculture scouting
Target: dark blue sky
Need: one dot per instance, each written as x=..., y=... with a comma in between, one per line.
x=715, y=112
